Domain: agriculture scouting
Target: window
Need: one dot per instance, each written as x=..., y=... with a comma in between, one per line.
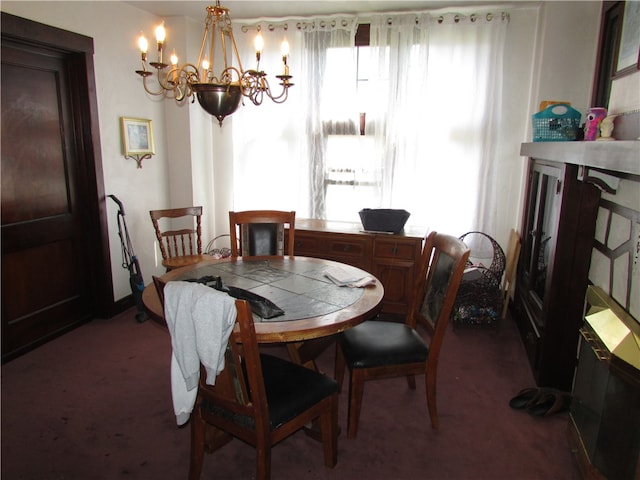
x=430, y=137
x=352, y=177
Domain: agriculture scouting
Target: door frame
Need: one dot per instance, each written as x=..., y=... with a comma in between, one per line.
x=80, y=50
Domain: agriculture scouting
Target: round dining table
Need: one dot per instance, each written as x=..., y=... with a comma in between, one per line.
x=318, y=296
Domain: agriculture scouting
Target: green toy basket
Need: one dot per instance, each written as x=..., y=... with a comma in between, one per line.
x=556, y=123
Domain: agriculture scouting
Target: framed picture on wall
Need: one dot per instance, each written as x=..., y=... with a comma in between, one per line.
x=137, y=137
x=618, y=47
x=628, y=54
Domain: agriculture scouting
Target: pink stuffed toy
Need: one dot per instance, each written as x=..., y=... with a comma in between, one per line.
x=592, y=125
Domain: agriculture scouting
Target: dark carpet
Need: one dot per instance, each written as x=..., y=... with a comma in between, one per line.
x=96, y=404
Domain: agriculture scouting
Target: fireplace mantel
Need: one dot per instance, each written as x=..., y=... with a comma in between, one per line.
x=615, y=157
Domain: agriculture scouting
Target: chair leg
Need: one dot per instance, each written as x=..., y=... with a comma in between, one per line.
x=339, y=366
x=198, y=428
x=263, y=461
x=430, y=380
x=305, y=353
x=411, y=381
x=329, y=428
x=356, y=392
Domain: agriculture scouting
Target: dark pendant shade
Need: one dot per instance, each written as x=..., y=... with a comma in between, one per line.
x=218, y=100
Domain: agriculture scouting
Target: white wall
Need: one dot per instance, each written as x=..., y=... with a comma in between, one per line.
x=569, y=42
x=564, y=51
x=519, y=58
x=551, y=56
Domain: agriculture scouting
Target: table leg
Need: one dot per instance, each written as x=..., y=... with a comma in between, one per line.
x=305, y=353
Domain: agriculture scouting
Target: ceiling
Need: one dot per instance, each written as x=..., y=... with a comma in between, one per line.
x=257, y=9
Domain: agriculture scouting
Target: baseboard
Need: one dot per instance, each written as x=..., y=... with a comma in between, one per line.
x=119, y=306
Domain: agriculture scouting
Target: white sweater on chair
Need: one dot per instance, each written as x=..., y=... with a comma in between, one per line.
x=200, y=320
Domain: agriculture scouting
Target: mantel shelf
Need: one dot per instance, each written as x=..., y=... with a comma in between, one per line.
x=620, y=156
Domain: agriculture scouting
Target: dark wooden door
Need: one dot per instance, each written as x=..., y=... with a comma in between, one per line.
x=49, y=274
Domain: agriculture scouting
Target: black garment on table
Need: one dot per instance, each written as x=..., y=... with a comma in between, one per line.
x=263, y=307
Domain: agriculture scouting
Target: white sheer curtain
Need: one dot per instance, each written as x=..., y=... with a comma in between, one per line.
x=329, y=69
x=433, y=113
x=439, y=85
x=270, y=169
x=279, y=150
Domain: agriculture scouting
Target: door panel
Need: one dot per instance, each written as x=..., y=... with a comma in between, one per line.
x=45, y=268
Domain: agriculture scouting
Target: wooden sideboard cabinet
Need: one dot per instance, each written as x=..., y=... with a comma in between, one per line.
x=391, y=258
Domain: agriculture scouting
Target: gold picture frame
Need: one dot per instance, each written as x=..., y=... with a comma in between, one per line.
x=137, y=139
x=137, y=136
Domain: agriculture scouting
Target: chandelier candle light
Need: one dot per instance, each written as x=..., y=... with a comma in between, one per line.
x=219, y=95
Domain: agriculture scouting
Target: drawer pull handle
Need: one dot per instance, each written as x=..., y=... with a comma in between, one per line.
x=346, y=248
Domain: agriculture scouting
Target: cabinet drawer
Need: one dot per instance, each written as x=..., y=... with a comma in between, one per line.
x=395, y=249
x=348, y=247
x=307, y=245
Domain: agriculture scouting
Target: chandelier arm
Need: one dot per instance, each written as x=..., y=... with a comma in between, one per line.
x=183, y=81
x=249, y=83
x=260, y=86
x=257, y=97
x=148, y=89
x=282, y=97
x=285, y=89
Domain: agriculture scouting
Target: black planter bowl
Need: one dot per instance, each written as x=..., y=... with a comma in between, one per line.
x=386, y=220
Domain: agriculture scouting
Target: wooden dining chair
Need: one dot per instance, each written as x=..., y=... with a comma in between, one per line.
x=261, y=399
x=261, y=233
x=380, y=349
x=181, y=241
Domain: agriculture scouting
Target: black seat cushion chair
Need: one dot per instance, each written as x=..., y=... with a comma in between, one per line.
x=378, y=349
x=261, y=399
x=402, y=344
x=290, y=390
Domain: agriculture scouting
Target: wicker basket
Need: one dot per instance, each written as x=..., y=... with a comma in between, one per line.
x=556, y=123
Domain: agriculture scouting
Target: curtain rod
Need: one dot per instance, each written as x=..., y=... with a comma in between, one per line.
x=302, y=23
x=462, y=10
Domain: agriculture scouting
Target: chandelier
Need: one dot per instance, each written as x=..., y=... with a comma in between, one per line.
x=219, y=95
